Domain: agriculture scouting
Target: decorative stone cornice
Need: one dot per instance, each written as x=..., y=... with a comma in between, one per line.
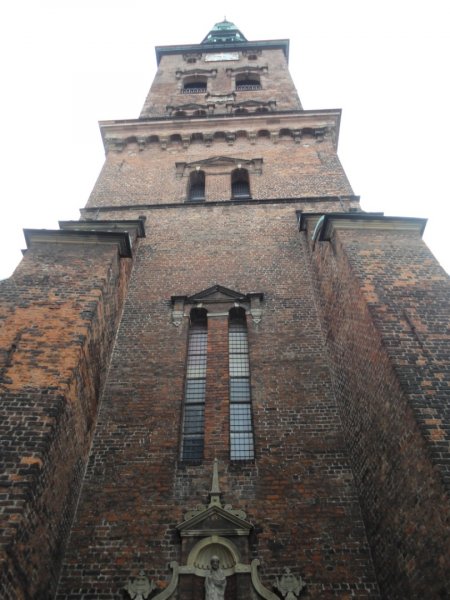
x=120, y=233
x=55, y=236
x=180, y=74
x=322, y=226
x=227, y=47
x=136, y=228
x=247, y=70
x=301, y=127
x=212, y=98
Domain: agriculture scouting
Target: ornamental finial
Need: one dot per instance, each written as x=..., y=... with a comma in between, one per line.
x=214, y=495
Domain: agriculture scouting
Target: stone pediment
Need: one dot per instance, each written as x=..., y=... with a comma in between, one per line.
x=214, y=520
x=228, y=163
x=221, y=160
x=216, y=294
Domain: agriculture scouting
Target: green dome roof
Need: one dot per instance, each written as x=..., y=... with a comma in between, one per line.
x=224, y=32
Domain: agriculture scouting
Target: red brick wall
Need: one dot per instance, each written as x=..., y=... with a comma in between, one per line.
x=386, y=306
x=276, y=83
x=299, y=491
x=132, y=177
x=59, y=313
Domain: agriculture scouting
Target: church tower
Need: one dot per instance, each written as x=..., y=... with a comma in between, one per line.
x=225, y=380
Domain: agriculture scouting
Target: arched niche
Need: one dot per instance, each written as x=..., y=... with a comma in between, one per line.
x=200, y=556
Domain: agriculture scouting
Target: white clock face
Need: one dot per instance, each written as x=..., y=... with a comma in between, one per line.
x=222, y=56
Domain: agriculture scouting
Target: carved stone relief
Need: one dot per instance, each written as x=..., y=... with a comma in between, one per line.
x=288, y=585
x=216, y=537
x=140, y=587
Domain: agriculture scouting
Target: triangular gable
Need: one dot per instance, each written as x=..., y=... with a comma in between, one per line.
x=214, y=520
x=216, y=293
x=221, y=160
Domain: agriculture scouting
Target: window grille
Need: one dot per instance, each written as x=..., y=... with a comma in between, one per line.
x=196, y=186
x=241, y=427
x=194, y=395
x=248, y=85
x=240, y=184
x=194, y=87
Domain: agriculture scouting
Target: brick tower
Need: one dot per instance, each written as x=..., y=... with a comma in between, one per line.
x=225, y=380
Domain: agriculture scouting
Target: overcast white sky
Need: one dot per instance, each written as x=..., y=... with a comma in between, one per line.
x=67, y=64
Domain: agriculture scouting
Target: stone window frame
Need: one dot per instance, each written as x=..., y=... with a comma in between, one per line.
x=230, y=164
x=190, y=76
x=250, y=71
x=240, y=184
x=216, y=301
x=196, y=185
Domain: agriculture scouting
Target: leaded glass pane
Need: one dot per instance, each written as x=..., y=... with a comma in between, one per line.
x=238, y=342
x=195, y=390
x=193, y=448
x=239, y=390
x=240, y=418
x=196, y=366
x=193, y=419
x=241, y=446
x=198, y=341
x=239, y=365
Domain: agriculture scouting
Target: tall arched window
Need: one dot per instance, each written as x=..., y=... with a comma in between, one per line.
x=194, y=394
x=241, y=427
x=196, y=186
x=240, y=184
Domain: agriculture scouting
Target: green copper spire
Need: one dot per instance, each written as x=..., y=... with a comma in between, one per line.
x=224, y=32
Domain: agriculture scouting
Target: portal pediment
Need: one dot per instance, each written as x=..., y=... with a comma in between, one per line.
x=214, y=520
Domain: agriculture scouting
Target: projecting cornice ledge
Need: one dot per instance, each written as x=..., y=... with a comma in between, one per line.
x=119, y=233
x=322, y=226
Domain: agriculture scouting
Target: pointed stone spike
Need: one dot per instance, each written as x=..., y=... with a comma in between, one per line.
x=215, y=489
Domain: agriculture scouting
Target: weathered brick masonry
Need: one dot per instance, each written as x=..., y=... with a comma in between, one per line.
x=386, y=303
x=299, y=493
x=348, y=347
x=59, y=313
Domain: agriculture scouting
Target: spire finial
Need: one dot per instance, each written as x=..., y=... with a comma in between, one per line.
x=214, y=495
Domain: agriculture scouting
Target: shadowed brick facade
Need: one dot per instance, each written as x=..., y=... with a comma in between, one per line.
x=346, y=315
